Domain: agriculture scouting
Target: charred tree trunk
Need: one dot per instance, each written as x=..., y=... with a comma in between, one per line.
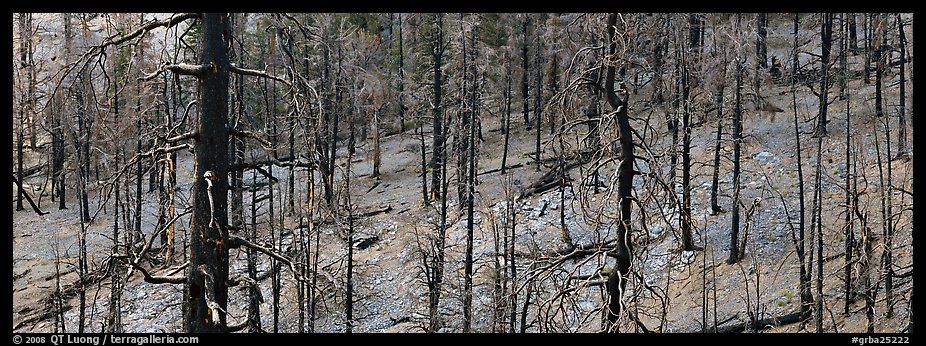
x=524, y=71
x=902, y=116
x=715, y=177
x=401, y=81
x=826, y=32
x=206, y=288
x=879, y=68
x=762, y=39
x=818, y=223
x=804, y=286
x=849, y=236
x=470, y=197
x=624, y=253
x=506, y=127
x=868, y=38
x=687, y=242
x=853, y=35
x=437, y=53
x=737, y=140
x=349, y=299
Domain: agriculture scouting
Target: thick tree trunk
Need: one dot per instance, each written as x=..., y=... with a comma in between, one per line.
x=624, y=253
x=206, y=288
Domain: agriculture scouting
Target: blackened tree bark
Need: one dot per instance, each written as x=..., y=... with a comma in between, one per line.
x=868, y=38
x=206, y=288
x=902, y=116
x=436, y=49
x=853, y=34
x=762, y=39
x=804, y=278
x=524, y=61
x=737, y=140
x=20, y=131
x=715, y=177
x=849, y=236
x=687, y=242
x=506, y=127
x=826, y=33
x=624, y=251
x=349, y=299
x=470, y=197
x=879, y=56
x=694, y=31
x=818, y=224
x=843, y=55
x=538, y=94
x=401, y=81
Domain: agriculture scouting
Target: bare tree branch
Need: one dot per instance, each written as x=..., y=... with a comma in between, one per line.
x=248, y=72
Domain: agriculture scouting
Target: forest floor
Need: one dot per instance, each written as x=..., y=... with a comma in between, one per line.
x=391, y=295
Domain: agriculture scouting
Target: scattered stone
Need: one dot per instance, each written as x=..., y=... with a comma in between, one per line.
x=767, y=157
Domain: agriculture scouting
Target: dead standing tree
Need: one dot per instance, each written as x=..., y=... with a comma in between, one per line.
x=206, y=281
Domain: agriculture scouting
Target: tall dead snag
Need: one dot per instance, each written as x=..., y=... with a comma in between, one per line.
x=687, y=242
x=762, y=39
x=506, y=126
x=818, y=223
x=623, y=250
x=436, y=49
x=879, y=66
x=826, y=34
x=206, y=288
x=737, y=139
x=902, y=112
x=849, y=236
x=715, y=177
x=524, y=87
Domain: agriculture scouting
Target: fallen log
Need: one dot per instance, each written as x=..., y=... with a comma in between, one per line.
x=28, y=198
x=779, y=321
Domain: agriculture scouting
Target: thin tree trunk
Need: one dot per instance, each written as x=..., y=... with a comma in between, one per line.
x=879, y=68
x=507, y=125
x=853, y=35
x=761, y=39
x=524, y=87
x=538, y=94
x=901, y=119
x=849, y=236
x=737, y=140
x=715, y=176
x=804, y=278
x=687, y=242
x=349, y=300
x=437, y=53
x=826, y=30
x=818, y=222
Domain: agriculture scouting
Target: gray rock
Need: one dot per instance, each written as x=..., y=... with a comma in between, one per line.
x=767, y=157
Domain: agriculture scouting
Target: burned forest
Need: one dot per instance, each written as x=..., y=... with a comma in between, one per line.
x=462, y=172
